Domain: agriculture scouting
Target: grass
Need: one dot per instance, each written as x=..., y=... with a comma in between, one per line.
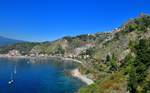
x=116, y=83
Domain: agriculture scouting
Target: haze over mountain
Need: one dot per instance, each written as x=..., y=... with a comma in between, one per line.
x=8, y=41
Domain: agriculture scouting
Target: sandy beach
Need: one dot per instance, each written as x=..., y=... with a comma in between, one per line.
x=76, y=73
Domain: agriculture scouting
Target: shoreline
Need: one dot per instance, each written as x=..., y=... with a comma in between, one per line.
x=75, y=72
x=41, y=57
x=33, y=57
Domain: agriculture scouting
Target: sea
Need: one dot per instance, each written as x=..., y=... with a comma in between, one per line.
x=38, y=75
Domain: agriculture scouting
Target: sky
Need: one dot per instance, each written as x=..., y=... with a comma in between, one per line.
x=47, y=20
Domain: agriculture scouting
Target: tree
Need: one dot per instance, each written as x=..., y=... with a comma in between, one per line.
x=132, y=80
x=139, y=67
x=130, y=69
x=90, y=51
x=113, y=63
x=142, y=61
x=60, y=50
x=108, y=59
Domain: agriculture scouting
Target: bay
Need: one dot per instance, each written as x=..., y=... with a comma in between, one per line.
x=37, y=76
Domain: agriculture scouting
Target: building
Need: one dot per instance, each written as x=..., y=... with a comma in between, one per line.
x=14, y=53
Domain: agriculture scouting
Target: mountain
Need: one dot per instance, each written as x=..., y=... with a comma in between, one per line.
x=8, y=41
x=117, y=61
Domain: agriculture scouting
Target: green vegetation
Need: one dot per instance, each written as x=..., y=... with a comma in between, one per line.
x=115, y=83
x=133, y=75
x=119, y=61
x=59, y=50
x=133, y=69
x=139, y=67
x=24, y=48
x=140, y=24
x=113, y=63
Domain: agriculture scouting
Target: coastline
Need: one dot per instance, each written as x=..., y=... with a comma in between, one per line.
x=33, y=57
x=75, y=72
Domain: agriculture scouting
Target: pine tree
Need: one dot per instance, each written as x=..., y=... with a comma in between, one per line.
x=113, y=63
x=139, y=67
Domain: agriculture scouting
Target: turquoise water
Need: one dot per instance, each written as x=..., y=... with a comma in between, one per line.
x=37, y=76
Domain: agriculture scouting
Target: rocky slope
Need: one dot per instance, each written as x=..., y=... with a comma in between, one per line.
x=102, y=54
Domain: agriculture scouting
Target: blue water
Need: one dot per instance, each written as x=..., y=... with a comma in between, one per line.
x=37, y=76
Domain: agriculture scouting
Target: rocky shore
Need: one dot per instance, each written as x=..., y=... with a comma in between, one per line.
x=76, y=73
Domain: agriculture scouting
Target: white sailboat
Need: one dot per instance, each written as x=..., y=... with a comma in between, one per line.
x=15, y=71
x=11, y=80
x=12, y=76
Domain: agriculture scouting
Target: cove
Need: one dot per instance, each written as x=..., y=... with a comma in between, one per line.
x=48, y=75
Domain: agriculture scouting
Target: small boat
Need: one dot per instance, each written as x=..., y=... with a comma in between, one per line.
x=15, y=71
x=11, y=81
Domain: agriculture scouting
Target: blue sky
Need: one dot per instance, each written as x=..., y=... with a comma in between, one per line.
x=46, y=20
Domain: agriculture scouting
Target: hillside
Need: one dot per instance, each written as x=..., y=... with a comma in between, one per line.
x=117, y=61
x=118, y=65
